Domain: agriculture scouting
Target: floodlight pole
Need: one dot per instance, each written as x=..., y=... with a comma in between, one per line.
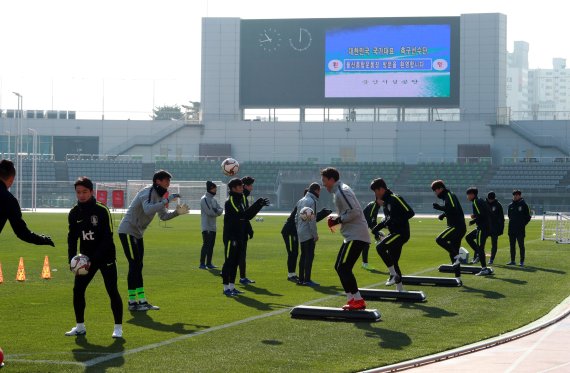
x=18, y=151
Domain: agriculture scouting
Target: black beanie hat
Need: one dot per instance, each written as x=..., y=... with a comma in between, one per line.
x=210, y=185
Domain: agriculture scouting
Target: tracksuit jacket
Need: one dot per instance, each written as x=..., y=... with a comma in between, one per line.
x=354, y=226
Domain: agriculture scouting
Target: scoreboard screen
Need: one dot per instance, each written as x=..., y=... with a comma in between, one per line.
x=350, y=62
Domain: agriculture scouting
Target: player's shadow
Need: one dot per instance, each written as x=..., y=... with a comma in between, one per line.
x=215, y=272
x=328, y=290
x=431, y=312
x=513, y=281
x=261, y=291
x=254, y=303
x=143, y=319
x=489, y=294
x=534, y=269
x=99, y=358
x=389, y=339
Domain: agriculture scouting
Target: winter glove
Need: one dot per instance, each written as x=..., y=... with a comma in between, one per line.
x=437, y=206
x=170, y=198
x=323, y=214
x=182, y=209
x=333, y=221
x=263, y=201
x=471, y=222
x=46, y=240
x=378, y=236
x=441, y=217
x=250, y=235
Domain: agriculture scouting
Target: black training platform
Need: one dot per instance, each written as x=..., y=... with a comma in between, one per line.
x=309, y=312
x=437, y=281
x=448, y=268
x=381, y=294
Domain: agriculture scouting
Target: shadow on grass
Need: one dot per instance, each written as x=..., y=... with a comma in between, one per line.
x=261, y=291
x=513, y=281
x=533, y=269
x=214, y=272
x=143, y=319
x=489, y=294
x=254, y=303
x=390, y=339
x=431, y=312
x=328, y=290
x=86, y=351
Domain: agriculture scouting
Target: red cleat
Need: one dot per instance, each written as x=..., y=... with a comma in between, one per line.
x=354, y=304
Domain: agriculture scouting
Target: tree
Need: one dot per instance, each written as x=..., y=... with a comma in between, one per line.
x=167, y=113
x=192, y=111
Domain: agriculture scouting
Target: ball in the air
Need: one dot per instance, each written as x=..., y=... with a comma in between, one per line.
x=230, y=167
x=79, y=265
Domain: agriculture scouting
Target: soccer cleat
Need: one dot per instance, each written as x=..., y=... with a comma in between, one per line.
x=117, y=332
x=521, y=264
x=397, y=279
x=203, y=266
x=390, y=281
x=146, y=306
x=236, y=291
x=490, y=261
x=354, y=304
x=511, y=263
x=300, y=283
x=393, y=280
x=484, y=272
x=211, y=266
x=475, y=260
x=133, y=306
x=311, y=283
x=76, y=331
x=293, y=278
x=228, y=293
x=246, y=281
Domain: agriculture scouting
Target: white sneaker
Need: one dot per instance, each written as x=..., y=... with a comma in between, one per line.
x=76, y=331
x=457, y=262
x=391, y=281
x=118, y=331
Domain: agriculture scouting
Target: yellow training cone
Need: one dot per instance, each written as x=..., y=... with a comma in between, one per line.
x=46, y=272
x=21, y=275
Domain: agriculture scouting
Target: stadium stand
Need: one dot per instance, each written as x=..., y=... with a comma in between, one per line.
x=535, y=176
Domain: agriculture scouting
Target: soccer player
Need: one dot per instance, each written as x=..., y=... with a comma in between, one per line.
x=519, y=216
x=477, y=237
x=289, y=233
x=247, y=189
x=91, y=223
x=148, y=202
x=10, y=210
x=497, y=222
x=397, y=214
x=307, y=234
x=210, y=210
x=354, y=231
x=371, y=216
x=236, y=221
x=450, y=238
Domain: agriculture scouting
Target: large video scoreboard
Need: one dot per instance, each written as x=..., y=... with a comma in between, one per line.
x=350, y=62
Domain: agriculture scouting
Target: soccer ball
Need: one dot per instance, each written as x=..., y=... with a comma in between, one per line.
x=79, y=265
x=307, y=214
x=230, y=167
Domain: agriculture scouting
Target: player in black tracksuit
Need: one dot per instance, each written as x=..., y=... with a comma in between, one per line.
x=450, y=238
x=247, y=189
x=90, y=222
x=519, y=216
x=289, y=233
x=497, y=222
x=236, y=221
x=371, y=215
x=397, y=214
x=477, y=237
x=10, y=208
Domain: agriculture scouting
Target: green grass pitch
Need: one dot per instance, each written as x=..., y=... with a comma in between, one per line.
x=198, y=329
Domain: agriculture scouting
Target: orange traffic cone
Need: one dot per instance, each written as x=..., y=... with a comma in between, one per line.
x=1, y=275
x=21, y=275
x=46, y=272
